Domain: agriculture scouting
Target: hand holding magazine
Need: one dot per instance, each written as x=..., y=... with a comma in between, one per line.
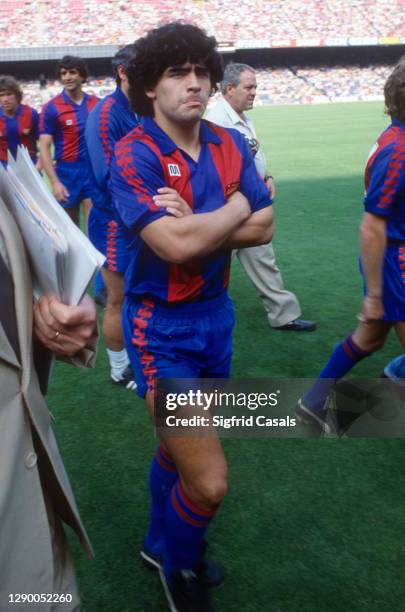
x=63, y=260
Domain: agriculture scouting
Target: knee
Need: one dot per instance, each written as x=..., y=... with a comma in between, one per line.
x=114, y=302
x=376, y=345
x=372, y=345
x=208, y=493
x=369, y=340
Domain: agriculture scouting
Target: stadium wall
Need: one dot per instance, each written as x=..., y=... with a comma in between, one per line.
x=277, y=57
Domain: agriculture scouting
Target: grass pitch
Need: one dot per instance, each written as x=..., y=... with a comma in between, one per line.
x=308, y=525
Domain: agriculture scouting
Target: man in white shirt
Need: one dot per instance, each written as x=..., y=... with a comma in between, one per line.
x=238, y=93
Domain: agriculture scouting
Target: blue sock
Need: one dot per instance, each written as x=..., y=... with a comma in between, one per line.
x=98, y=283
x=343, y=359
x=163, y=475
x=186, y=525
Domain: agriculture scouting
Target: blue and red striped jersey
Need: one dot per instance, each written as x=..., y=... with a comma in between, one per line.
x=22, y=129
x=147, y=159
x=108, y=122
x=385, y=179
x=65, y=121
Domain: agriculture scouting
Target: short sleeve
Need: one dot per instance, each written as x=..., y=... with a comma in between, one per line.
x=385, y=180
x=48, y=120
x=252, y=185
x=136, y=175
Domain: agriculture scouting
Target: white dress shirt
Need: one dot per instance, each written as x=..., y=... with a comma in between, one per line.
x=223, y=114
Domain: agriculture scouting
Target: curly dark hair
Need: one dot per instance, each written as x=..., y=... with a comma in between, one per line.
x=9, y=83
x=394, y=92
x=172, y=44
x=69, y=62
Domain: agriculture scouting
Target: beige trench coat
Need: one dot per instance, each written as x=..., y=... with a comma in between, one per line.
x=34, y=487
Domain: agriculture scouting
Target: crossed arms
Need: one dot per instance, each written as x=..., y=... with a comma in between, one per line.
x=183, y=235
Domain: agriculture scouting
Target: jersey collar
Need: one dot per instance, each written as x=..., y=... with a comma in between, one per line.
x=121, y=97
x=17, y=112
x=69, y=100
x=399, y=123
x=166, y=144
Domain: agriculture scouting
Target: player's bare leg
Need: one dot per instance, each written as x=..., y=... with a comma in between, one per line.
x=201, y=464
x=87, y=204
x=370, y=336
x=121, y=371
x=112, y=328
x=399, y=327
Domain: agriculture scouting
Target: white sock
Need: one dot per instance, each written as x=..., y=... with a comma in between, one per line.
x=118, y=361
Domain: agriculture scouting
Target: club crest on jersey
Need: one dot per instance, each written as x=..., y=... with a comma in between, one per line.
x=231, y=188
x=26, y=131
x=69, y=121
x=174, y=170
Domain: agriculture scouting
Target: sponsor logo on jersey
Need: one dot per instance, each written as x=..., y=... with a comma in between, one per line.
x=69, y=121
x=174, y=170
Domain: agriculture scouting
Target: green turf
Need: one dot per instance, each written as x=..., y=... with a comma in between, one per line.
x=307, y=526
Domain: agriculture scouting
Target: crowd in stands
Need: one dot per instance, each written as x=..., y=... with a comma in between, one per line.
x=312, y=18
x=42, y=23
x=275, y=85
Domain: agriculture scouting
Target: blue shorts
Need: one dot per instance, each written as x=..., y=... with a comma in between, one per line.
x=75, y=176
x=393, y=282
x=112, y=239
x=192, y=340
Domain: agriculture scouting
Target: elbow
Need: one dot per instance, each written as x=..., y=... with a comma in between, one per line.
x=373, y=228
x=265, y=235
x=370, y=234
x=268, y=235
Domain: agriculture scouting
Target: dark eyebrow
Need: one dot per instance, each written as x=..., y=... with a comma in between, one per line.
x=177, y=69
x=184, y=69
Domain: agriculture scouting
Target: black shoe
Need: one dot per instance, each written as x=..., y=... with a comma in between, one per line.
x=187, y=593
x=126, y=380
x=298, y=325
x=101, y=298
x=210, y=574
x=309, y=417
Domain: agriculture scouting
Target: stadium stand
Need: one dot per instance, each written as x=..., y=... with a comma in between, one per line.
x=314, y=18
x=42, y=23
x=303, y=85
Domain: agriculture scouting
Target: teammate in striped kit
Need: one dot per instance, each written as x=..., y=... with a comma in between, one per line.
x=189, y=191
x=382, y=260
x=18, y=122
x=110, y=120
x=62, y=123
